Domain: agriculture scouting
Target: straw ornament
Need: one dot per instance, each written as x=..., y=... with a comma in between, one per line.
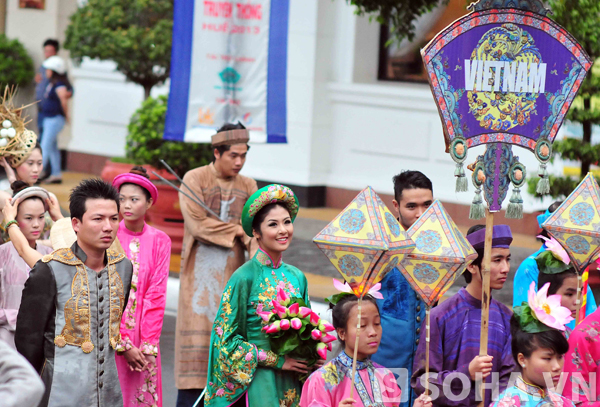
x=16, y=141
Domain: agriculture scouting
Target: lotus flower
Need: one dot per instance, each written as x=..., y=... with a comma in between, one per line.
x=547, y=309
x=282, y=313
x=296, y=323
x=330, y=346
x=322, y=350
x=316, y=334
x=325, y=326
x=345, y=288
x=278, y=307
x=556, y=249
x=293, y=310
x=284, y=324
x=304, y=312
x=327, y=338
x=274, y=327
x=315, y=319
x=283, y=297
x=266, y=316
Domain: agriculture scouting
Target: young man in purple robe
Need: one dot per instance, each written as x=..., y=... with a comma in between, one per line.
x=454, y=361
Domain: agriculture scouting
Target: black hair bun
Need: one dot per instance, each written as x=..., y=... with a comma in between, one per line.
x=139, y=170
x=18, y=186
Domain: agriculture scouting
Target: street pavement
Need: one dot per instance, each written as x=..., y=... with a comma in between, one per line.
x=307, y=257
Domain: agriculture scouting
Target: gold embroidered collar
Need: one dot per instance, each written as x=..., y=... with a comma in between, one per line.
x=76, y=331
x=266, y=260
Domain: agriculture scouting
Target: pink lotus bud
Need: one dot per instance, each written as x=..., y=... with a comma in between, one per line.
x=266, y=316
x=285, y=324
x=315, y=319
x=329, y=347
x=328, y=338
x=322, y=350
x=325, y=326
x=274, y=327
x=316, y=334
x=293, y=310
x=304, y=312
x=296, y=323
x=283, y=312
x=283, y=297
x=277, y=306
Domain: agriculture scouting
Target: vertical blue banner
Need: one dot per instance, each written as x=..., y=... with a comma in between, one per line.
x=229, y=64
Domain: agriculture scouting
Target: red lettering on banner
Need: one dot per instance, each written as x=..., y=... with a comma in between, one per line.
x=216, y=27
x=218, y=9
x=249, y=11
x=228, y=101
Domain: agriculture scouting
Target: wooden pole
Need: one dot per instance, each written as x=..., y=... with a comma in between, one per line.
x=485, y=299
x=579, y=299
x=356, y=345
x=427, y=338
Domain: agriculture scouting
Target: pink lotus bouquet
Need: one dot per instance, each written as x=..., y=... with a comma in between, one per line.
x=295, y=330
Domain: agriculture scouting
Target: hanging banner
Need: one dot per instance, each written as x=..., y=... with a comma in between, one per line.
x=229, y=64
x=504, y=75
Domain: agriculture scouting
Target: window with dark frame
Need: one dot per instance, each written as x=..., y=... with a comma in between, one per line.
x=402, y=62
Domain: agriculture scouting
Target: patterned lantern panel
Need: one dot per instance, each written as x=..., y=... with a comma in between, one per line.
x=362, y=240
x=440, y=256
x=576, y=223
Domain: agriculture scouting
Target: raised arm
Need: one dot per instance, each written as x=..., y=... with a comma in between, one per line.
x=30, y=255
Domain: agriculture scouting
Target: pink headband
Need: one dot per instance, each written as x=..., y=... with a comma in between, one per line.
x=130, y=178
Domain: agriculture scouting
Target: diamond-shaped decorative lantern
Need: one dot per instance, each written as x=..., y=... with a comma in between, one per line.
x=441, y=254
x=364, y=242
x=576, y=223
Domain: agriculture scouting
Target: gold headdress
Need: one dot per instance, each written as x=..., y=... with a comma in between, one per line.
x=16, y=142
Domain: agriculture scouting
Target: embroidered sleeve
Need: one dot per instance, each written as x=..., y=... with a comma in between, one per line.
x=155, y=298
x=580, y=361
x=269, y=359
x=233, y=359
x=124, y=345
x=149, y=349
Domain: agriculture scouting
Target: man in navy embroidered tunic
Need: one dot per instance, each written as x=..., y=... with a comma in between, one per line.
x=402, y=311
x=70, y=315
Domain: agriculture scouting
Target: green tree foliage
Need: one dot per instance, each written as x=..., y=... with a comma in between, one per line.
x=398, y=14
x=145, y=143
x=582, y=19
x=136, y=34
x=16, y=66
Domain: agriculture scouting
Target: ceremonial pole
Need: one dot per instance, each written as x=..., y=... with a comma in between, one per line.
x=485, y=291
x=578, y=301
x=360, y=299
x=427, y=339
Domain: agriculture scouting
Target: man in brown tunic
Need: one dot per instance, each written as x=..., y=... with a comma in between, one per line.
x=212, y=250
